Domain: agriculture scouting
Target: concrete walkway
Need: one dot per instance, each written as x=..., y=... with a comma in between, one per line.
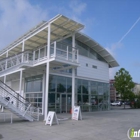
x=105, y=125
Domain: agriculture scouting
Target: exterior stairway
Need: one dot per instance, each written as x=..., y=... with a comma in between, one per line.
x=12, y=101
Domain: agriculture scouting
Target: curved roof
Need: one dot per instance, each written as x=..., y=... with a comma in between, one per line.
x=97, y=48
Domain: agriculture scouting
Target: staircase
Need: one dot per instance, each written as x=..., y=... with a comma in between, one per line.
x=14, y=102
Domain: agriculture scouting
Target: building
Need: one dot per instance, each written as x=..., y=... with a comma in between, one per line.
x=112, y=90
x=136, y=89
x=55, y=66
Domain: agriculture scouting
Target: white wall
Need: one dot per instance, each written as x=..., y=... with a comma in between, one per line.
x=101, y=73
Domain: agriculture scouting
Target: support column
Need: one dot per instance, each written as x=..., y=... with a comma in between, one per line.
x=47, y=72
x=22, y=59
x=20, y=82
x=73, y=74
x=6, y=60
x=2, y=109
x=73, y=88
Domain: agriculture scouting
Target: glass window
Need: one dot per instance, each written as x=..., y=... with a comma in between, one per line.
x=34, y=84
x=61, y=84
x=36, y=54
x=69, y=85
x=35, y=99
x=85, y=86
x=92, y=54
x=52, y=83
x=42, y=52
x=83, y=49
x=38, y=85
x=93, y=87
x=100, y=88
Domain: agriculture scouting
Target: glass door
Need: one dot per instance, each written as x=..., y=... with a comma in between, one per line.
x=63, y=103
x=68, y=103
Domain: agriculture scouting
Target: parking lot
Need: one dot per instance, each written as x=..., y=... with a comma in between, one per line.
x=102, y=125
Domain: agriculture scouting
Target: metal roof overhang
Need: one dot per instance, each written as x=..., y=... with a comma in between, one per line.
x=97, y=48
x=61, y=27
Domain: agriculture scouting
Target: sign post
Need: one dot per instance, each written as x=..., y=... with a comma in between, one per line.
x=76, y=114
x=51, y=118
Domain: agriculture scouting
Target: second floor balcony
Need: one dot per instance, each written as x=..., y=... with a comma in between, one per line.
x=30, y=58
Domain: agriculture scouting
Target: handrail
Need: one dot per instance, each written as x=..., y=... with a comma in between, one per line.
x=13, y=95
x=22, y=105
x=14, y=91
x=14, y=55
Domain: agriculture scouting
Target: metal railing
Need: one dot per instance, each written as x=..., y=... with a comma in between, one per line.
x=24, y=57
x=35, y=56
x=18, y=102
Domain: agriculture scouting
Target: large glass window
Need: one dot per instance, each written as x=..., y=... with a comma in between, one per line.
x=33, y=90
x=61, y=84
x=93, y=87
x=33, y=84
x=52, y=83
x=69, y=85
x=92, y=95
x=83, y=49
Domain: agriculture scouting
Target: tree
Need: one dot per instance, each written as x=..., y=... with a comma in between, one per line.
x=124, y=84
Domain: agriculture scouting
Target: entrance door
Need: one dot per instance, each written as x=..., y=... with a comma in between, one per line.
x=65, y=103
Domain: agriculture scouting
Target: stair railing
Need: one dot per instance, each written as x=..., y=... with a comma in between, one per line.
x=17, y=101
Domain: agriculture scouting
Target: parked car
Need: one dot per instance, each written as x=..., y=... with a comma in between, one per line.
x=126, y=102
x=116, y=103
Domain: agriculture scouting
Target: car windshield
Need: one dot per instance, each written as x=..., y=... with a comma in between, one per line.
x=116, y=101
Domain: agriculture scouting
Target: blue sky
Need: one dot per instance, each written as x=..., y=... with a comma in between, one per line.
x=114, y=24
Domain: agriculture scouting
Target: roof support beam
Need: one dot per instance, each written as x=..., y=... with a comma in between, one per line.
x=106, y=55
x=43, y=38
x=101, y=50
x=61, y=27
x=34, y=42
x=53, y=34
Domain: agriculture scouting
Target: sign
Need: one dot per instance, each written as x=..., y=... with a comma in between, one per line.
x=51, y=118
x=76, y=114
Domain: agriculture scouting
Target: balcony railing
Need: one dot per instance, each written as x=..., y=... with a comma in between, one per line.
x=33, y=57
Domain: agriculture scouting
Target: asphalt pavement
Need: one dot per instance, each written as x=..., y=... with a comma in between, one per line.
x=101, y=125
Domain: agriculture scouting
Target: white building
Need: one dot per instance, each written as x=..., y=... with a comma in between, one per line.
x=54, y=66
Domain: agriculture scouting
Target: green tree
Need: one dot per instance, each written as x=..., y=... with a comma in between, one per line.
x=124, y=84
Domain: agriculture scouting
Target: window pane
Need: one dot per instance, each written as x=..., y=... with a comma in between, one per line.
x=61, y=84
x=69, y=85
x=37, y=85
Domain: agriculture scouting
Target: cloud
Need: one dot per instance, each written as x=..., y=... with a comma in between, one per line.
x=113, y=47
x=77, y=7
x=136, y=64
x=17, y=17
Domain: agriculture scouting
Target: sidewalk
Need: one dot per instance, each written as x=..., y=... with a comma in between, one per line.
x=103, y=125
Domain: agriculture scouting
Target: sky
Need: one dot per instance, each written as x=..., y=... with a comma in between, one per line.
x=114, y=24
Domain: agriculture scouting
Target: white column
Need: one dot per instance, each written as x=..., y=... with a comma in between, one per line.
x=47, y=73
x=55, y=49
x=2, y=109
x=43, y=94
x=73, y=88
x=6, y=60
x=22, y=51
x=20, y=82
x=67, y=52
x=73, y=75
x=73, y=47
